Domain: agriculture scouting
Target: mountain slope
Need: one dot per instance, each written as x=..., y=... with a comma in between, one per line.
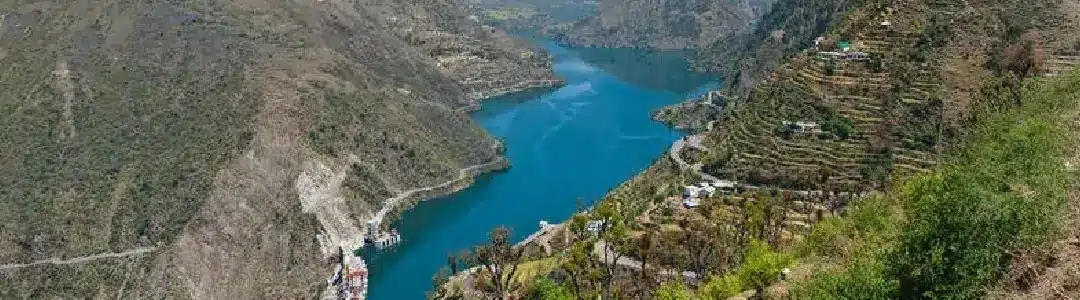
x=684, y=24
x=193, y=127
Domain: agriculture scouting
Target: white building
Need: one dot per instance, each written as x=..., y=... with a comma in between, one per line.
x=802, y=126
x=594, y=226
x=701, y=190
x=726, y=186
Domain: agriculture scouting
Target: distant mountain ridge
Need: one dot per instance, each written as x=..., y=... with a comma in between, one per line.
x=683, y=24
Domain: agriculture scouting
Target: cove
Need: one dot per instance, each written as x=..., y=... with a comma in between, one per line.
x=576, y=142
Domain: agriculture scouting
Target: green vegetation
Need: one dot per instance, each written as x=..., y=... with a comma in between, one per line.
x=547, y=289
x=1003, y=191
x=673, y=290
x=760, y=268
x=836, y=127
x=126, y=124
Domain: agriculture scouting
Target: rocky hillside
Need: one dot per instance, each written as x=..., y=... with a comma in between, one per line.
x=216, y=149
x=530, y=15
x=790, y=26
x=683, y=24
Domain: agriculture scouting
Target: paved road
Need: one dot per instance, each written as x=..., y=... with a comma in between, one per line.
x=694, y=141
x=78, y=260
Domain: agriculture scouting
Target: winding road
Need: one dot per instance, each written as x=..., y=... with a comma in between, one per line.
x=78, y=260
x=694, y=141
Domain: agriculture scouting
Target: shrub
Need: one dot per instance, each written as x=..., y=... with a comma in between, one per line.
x=761, y=266
x=546, y=289
x=1006, y=192
x=673, y=290
x=838, y=126
x=721, y=287
x=864, y=278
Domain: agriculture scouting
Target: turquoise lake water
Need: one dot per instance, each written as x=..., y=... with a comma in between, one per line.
x=576, y=142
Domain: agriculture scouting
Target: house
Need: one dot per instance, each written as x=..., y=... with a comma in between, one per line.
x=691, y=191
x=802, y=126
x=844, y=45
x=594, y=226
x=691, y=202
x=886, y=24
x=699, y=191
x=847, y=55
x=707, y=190
x=808, y=126
x=830, y=55
x=726, y=186
x=857, y=56
x=818, y=41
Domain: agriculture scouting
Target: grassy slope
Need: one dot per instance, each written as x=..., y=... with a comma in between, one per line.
x=1003, y=196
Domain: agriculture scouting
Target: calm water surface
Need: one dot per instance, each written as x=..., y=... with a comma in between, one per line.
x=573, y=143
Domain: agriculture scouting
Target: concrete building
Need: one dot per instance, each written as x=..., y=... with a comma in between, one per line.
x=594, y=226
x=802, y=126
x=847, y=55
x=357, y=278
x=385, y=240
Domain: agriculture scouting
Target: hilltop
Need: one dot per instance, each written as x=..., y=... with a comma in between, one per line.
x=219, y=149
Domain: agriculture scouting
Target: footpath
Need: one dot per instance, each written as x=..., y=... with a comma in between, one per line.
x=78, y=260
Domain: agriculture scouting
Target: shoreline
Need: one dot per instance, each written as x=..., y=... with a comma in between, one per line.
x=527, y=86
x=391, y=212
x=468, y=175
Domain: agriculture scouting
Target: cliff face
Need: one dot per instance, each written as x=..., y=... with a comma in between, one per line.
x=682, y=24
x=221, y=147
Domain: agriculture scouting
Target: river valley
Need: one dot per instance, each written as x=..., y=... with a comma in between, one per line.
x=565, y=146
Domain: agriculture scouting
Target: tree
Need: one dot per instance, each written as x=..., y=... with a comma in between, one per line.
x=497, y=258
x=646, y=246
x=613, y=235
x=1025, y=58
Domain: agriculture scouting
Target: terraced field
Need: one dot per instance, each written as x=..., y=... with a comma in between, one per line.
x=864, y=94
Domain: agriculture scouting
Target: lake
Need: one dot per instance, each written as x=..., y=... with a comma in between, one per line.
x=566, y=146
